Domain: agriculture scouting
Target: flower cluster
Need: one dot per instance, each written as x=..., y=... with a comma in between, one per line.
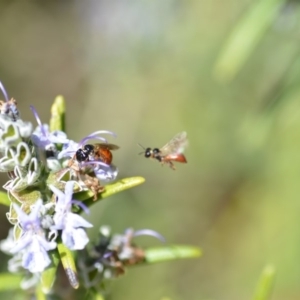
x=52, y=179
x=111, y=255
x=44, y=174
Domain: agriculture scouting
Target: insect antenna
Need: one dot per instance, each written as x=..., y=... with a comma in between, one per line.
x=142, y=148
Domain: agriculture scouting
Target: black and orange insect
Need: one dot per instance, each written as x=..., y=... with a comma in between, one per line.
x=100, y=152
x=172, y=151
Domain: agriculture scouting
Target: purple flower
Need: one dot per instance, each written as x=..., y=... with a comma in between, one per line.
x=73, y=236
x=3, y=90
x=43, y=138
x=68, y=150
x=32, y=242
x=123, y=242
x=125, y=239
x=102, y=171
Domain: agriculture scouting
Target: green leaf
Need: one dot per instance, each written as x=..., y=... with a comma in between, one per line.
x=160, y=254
x=10, y=136
x=12, y=214
x=265, y=284
x=58, y=110
x=39, y=294
x=245, y=37
x=4, y=199
x=93, y=294
x=110, y=189
x=10, y=281
x=27, y=197
x=98, y=297
x=49, y=275
x=59, y=178
x=68, y=264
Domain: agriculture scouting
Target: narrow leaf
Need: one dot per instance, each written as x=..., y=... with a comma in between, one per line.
x=93, y=294
x=111, y=189
x=49, y=275
x=97, y=296
x=68, y=264
x=245, y=37
x=10, y=282
x=265, y=284
x=4, y=199
x=39, y=295
x=160, y=254
x=58, y=110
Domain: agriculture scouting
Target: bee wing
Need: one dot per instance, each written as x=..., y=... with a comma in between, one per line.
x=108, y=146
x=112, y=147
x=175, y=145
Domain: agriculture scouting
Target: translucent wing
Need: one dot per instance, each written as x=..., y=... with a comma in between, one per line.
x=107, y=146
x=175, y=145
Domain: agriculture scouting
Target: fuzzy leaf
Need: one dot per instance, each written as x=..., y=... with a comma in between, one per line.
x=17, y=231
x=59, y=178
x=58, y=110
x=49, y=275
x=27, y=198
x=4, y=199
x=160, y=254
x=11, y=136
x=265, y=284
x=10, y=281
x=68, y=264
x=111, y=189
x=12, y=216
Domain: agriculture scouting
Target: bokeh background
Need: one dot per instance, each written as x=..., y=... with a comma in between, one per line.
x=228, y=73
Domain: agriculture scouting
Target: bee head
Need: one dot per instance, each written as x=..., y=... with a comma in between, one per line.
x=155, y=151
x=81, y=155
x=148, y=152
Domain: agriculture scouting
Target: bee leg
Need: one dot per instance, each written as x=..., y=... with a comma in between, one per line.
x=97, y=190
x=93, y=184
x=119, y=267
x=172, y=165
x=71, y=164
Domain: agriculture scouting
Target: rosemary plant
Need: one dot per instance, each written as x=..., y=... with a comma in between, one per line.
x=52, y=181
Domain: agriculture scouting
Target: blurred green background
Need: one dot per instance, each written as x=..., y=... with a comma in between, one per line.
x=228, y=73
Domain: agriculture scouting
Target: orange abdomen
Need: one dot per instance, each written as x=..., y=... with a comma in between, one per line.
x=106, y=156
x=176, y=157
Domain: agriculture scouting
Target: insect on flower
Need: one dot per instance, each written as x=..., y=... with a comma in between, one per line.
x=8, y=107
x=100, y=151
x=170, y=152
x=91, y=163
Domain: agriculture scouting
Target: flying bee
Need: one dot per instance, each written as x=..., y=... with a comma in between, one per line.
x=100, y=151
x=170, y=152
